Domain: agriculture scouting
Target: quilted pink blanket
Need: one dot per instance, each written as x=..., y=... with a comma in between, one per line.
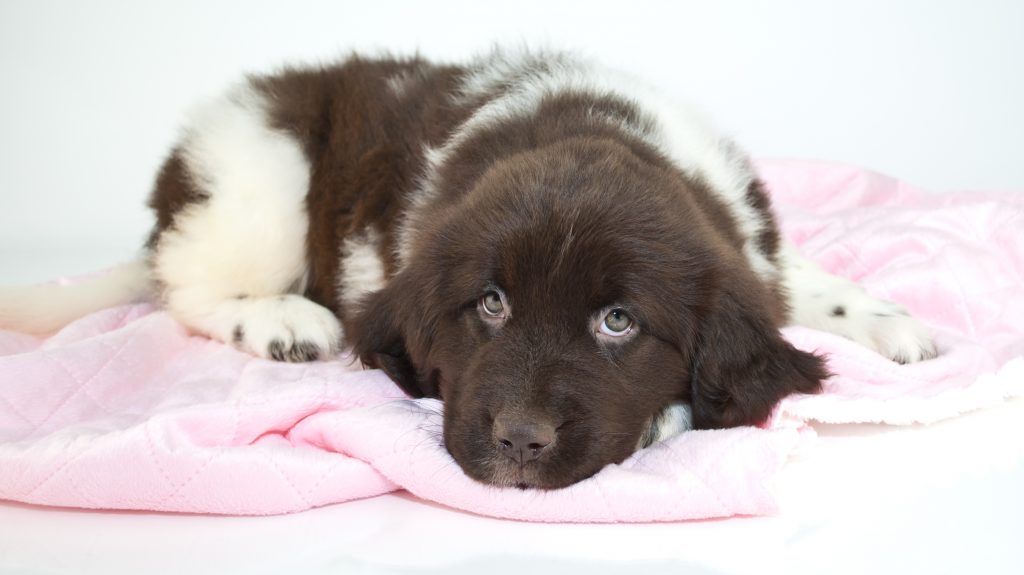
x=125, y=410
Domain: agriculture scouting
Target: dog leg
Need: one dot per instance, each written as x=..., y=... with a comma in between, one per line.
x=233, y=259
x=820, y=300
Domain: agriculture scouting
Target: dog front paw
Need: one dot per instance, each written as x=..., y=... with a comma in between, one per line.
x=288, y=328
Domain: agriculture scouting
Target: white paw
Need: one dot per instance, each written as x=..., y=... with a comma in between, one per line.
x=899, y=336
x=881, y=325
x=287, y=328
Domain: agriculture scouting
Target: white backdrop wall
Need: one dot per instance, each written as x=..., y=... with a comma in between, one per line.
x=92, y=92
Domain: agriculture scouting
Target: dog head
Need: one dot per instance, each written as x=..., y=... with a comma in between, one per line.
x=564, y=301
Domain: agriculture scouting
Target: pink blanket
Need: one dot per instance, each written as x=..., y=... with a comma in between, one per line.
x=125, y=410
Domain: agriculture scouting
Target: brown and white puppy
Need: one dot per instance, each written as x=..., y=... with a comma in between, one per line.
x=577, y=265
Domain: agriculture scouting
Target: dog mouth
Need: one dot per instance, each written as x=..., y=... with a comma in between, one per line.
x=541, y=474
x=517, y=476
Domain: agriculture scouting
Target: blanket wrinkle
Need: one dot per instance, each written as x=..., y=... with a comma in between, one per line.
x=124, y=409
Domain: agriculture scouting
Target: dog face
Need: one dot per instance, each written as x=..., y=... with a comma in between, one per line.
x=565, y=300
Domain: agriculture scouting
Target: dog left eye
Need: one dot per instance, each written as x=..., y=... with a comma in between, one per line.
x=617, y=323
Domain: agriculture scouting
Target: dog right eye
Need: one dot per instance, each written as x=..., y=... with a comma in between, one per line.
x=492, y=305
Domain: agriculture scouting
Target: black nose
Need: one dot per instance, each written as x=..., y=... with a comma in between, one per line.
x=523, y=440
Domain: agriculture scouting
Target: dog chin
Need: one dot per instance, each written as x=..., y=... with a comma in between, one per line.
x=510, y=474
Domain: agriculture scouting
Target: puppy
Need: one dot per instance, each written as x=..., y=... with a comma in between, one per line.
x=577, y=265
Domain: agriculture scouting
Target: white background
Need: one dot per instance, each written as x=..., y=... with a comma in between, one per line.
x=92, y=92
x=930, y=91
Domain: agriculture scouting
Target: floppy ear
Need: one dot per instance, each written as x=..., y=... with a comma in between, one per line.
x=744, y=367
x=379, y=335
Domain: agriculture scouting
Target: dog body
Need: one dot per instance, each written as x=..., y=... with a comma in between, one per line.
x=561, y=254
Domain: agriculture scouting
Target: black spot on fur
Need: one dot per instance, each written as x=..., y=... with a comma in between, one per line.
x=298, y=351
x=276, y=350
x=238, y=334
x=304, y=351
x=839, y=311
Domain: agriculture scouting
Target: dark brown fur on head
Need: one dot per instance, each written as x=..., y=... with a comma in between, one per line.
x=565, y=231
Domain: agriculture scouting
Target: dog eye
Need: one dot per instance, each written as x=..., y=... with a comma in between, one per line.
x=492, y=305
x=617, y=323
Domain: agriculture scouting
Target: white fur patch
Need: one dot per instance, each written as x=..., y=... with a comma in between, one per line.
x=521, y=80
x=362, y=269
x=231, y=255
x=820, y=300
x=422, y=197
x=672, y=421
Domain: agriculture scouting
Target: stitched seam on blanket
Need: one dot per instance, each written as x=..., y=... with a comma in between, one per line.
x=15, y=411
x=236, y=417
x=862, y=268
x=640, y=458
x=295, y=490
x=693, y=474
x=78, y=456
x=92, y=377
x=54, y=473
x=723, y=509
x=176, y=491
x=78, y=489
x=327, y=473
x=604, y=501
x=147, y=433
x=960, y=295
x=215, y=454
x=60, y=363
x=772, y=441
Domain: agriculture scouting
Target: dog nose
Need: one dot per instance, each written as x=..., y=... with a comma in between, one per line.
x=523, y=441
